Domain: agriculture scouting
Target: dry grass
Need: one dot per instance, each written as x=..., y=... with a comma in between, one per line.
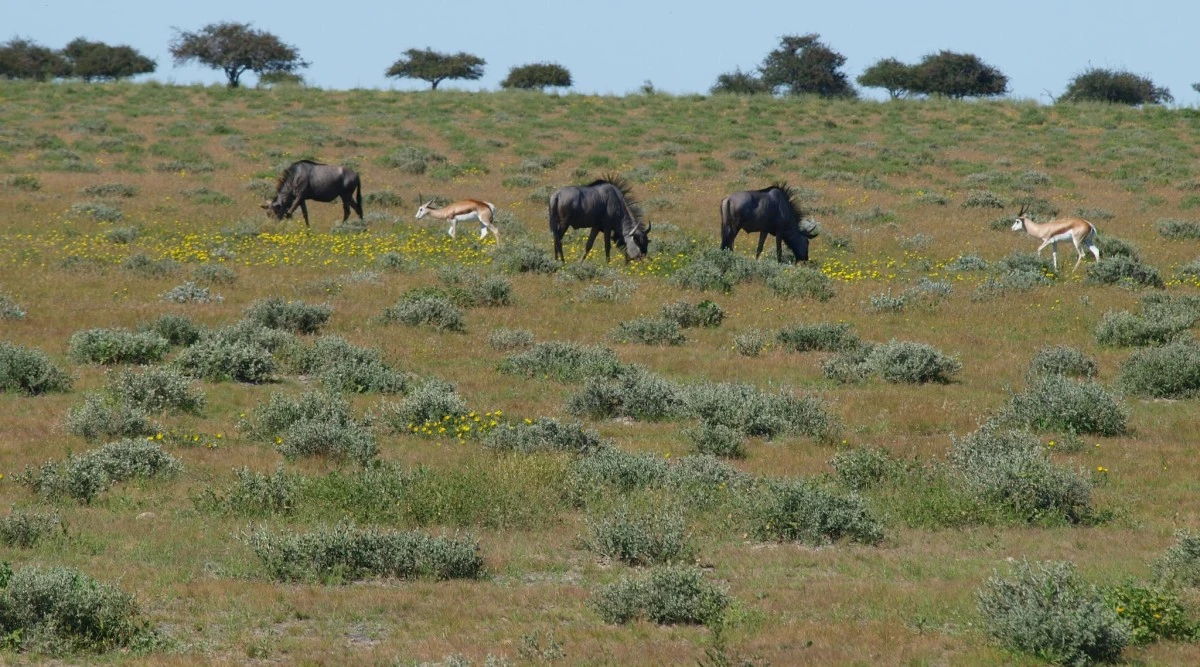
x=909, y=600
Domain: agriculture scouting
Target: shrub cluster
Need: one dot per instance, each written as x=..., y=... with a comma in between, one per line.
x=1181, y=562
x=313, y=424
x=190, y=292
x=862, y=468
x=294, y=316
x=750, y=343
x=117, y=346
x=544, y=435
x=416, y=309
x=431, y=401
x=1124, y=270
x=1055, y=402
x=1170, y=371
x=798, y=510
x=1047, y=610
x=142, y=265
x=688, y=315
x=470, y=289
x=667, y=595
x=346, y=553
x=565, y=361
x=648, y=331
x=155, y=389
x=30, y=371
x=342, y=367
x=507, y=340
x=719, y=270
x=894, y=361
x=616, y=291
x=85, y=476
x=524, y=257
x=823, y=336
x=10, y=309
x=1125, y=329
x=717, y=440
x=24, y=529
x=218, y=359
x=1150, y=612
x=177, y=329
x=1178, y=229
x=105, y=416
x=639, y=535
x=1061, y=360
x=751, y=411
x=802, y=282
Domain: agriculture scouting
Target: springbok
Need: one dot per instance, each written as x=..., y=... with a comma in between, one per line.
x=461, y=211
x=1080, y=232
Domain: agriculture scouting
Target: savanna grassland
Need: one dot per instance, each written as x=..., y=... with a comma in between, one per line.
x=120, y=204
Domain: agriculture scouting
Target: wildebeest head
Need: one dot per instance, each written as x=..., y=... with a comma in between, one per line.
x=635, y=240
x=275, y=207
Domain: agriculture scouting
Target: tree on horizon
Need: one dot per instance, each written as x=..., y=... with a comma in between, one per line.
x=235, y=48
x=435, y=67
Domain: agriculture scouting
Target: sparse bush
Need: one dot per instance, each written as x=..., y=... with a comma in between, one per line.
x=687, y=315
x=798, y=510
x=1170, y=371
x=61, y=611
x=26, y=182
x=345, y=553
x=85, y=476
x=103, y=416
x=95, y=211
x=412, y=160
x=394, y=261
x=220, y=360
x=10, y=309
x=862, y=468
x=214, y=274
x=720, y=270
x=1180, y=564
x=749, y=410
x=1125, y=271
x=435, y=311
x=430, y=401
x=802, y=282
x=177, y=329
x=110, y=190
x=983, y=199
x=1012, y=470
x=506, y=340
x=1061, y=360
x=1054, y=402
x=190, y=292
x=886, y=302
x=156, y=389
x=564, y=361
x=524, y=257
x=344, y=440
x=544, y=435
x=648, y=331
x=141, y=264
x=667, y=595
x=1047, y=610
x=583, y=272
x=617, y=290
x=344, y=367
x=636, y=393
x=122, y=235
x=717, y=440
x=750, y=344
x=117, y=346
x=639, y=535
x=255, y=494
x=823, y=336
x=30, y=371
x=1151, y=612
x=22, y=529
x=294, y=316
x=914, y=363
x=967, y=263
x=1124, y=329
x=1178, y=229
x=1111, y=246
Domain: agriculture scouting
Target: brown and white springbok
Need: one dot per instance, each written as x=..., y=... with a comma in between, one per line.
x=461, y=211
x=1078, y=231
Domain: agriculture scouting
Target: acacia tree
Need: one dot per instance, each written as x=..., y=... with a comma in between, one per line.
x=235, y=48
x=25, y=59
x=957, y=75
x=738, y=82
x=99, y=61
x=890, y=74
x=537, y=76
x=434, y=67
x=802, y=64
x=1118, y=87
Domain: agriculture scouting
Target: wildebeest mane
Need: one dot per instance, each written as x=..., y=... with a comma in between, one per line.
x=286, y=174
x=631, y=201
x=789, y=192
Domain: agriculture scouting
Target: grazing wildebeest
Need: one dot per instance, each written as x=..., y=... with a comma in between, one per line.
x=771, y=210
x=306, y=179
x=606, y=206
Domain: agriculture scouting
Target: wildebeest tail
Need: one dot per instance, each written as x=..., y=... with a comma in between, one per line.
x=727, y=223
x=554, y=223
x=358, y=195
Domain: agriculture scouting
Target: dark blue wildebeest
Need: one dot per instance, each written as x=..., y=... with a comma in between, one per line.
x=607, y=207
x=771, y=210
x=306, y=179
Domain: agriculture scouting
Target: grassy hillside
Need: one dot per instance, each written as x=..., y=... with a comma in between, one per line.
x=123, y=203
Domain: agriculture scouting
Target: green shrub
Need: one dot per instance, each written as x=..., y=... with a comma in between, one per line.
x=544, y=435
x=103, y=416
x=254, y=334
x=1011, y=281
x=469, y=289
x=219, y=360
x=717, y=440
x=412, y=159
x=886, y=302
x=1170, y=371
x=343, y=367
x=970, y=262
x=30, y=371
x=1125, y=329
x=1061, y=360
x=636, y=393
x=61, y=611
x=639, y=535
x=648, y=331
x=346, y=553
x=798, y=510
x=177, y=329
x=565, y=361
x=1054, y=402
x=1125, y=271
x=616, y=291
x=750, y=343
x=110, y=190
x=22, y=529
x=141, y=264
x=435, y=311
x=190, y=292
x=430, y=401
x=507, y=340
x=85, y=476
x=687, y=315
x=849, y=365
x=1180, y=564
x=719, y=270
x=1011, y=470
x=862, y=468
x=698, y=480
x=1178, y=229
x=524, y=257
x=122, y=235
x=748, y=410
x=95, y=211
x=583, y=272
x=155, y=389
x=824, y=336
x=10, y=309
x=214, y=274
x=983, y=199
x=914, y=363
x=1047, y=610
x=117, y=346
x=1152, y=613
x=313, y=423
x=294, y=316
x=255, y=494
x=667, y=595
x=26, y=182
x=394, y=261
x=802, y=282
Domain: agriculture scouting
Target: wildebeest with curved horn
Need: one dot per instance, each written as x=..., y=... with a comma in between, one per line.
x=772, y=210
x=306, y=179
x=606, y=206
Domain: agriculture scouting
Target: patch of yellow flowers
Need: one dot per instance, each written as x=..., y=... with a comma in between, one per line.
x=461, y=427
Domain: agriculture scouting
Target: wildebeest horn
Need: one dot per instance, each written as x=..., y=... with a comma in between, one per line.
x=649, y=226
x=266, y=204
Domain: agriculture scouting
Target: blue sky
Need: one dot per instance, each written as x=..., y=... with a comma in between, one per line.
x=611, y=47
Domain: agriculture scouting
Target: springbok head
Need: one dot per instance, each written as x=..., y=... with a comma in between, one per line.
x=1019, y=222
x=424, y=209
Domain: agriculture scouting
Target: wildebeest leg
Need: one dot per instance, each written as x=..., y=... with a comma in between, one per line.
x=762, y=240
x=727, y=237
x=345, y=207
x=591, y=239
x=608, y=246
x=304, y=210
x=558, y=252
